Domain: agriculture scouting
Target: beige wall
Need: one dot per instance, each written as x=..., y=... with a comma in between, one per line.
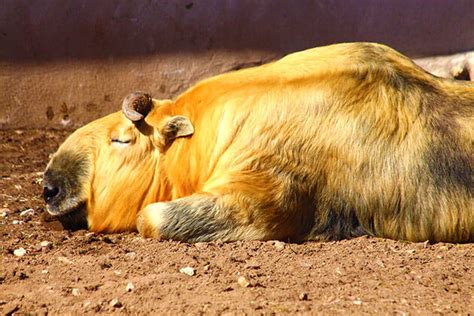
x=66, y=62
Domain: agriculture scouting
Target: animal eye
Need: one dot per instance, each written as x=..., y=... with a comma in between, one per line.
x=120, y=141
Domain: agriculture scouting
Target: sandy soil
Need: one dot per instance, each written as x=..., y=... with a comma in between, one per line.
x=80, y=272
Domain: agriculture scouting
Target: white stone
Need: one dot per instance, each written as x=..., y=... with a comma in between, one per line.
x=130, y=255
x=115, y=303
x=279, y=245
x=64, y=260
x=188, y=270
x=45, y=243
x=27, y=212
x=243, y=282
x=20, y=252
x=129, y=287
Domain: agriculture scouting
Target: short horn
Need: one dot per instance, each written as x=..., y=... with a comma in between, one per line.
x=137, y=105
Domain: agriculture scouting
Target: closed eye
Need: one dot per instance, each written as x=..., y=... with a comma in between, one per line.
x=120, y=141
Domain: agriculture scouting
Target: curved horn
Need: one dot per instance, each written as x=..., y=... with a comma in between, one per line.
x=137, y=105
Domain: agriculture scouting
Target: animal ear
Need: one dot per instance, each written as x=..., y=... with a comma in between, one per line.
x=137, y=105
x=176, y=126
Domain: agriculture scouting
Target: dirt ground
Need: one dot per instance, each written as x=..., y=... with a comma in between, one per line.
x=46, y=270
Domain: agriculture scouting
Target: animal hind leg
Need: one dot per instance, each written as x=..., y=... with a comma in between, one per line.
x=199, y=217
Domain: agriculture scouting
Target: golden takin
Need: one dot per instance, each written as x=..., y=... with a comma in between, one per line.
x=324, y=144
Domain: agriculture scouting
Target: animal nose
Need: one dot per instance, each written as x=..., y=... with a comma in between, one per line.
x=49, y=192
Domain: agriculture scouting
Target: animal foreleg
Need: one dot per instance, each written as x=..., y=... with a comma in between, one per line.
x=199, y=217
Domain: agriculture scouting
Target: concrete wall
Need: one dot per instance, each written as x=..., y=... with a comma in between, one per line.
x=66, y=62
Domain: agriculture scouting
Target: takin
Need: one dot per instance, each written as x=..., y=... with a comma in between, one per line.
x=324, y=144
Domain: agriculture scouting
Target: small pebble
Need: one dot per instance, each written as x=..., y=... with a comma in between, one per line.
x=279, y=245
x=20, y=252
x=426, y=244
x=76, y=292
x=64, y=260
x=17, y=222
x=380, y=263
x=252, y=265
x=27, y=212
x=4, y=212
x=117, y=272
x=357, y=302
x=200, y=245
x=187, y=270
x=243, y=282
x=129, y=287
x=115, y=303
x=44, y=271
x=303, y=296
x=45, y=244
x=130, y=255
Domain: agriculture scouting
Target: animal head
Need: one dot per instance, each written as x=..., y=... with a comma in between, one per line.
x=106, y=171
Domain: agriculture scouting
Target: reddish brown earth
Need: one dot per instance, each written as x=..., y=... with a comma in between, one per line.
x=82, y=272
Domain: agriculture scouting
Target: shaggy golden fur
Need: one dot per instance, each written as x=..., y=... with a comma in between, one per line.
x=324, y=144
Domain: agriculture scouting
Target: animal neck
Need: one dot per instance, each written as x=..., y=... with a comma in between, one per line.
x=161, y=187
x=115, y=201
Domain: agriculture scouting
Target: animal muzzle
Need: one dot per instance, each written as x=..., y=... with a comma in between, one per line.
x=55, y=194
x=50, y=191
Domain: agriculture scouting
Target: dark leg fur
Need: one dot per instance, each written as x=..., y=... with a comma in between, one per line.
x=192, y=219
